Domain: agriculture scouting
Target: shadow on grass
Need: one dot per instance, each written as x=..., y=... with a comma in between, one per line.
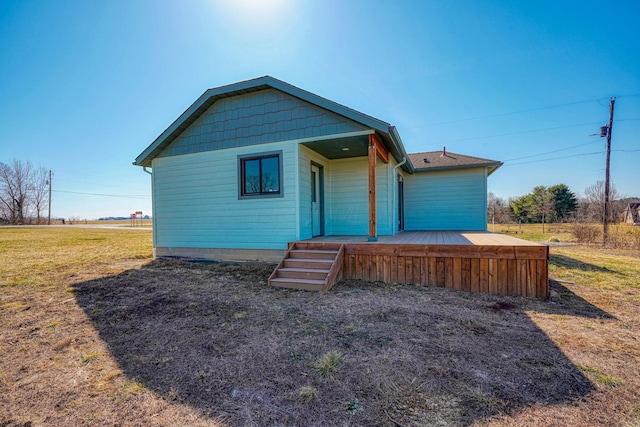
x=568, y=262
x=570, y=304
x=217, y=338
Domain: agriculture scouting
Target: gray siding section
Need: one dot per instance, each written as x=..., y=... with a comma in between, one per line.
x=447, y=200
x=257, y=118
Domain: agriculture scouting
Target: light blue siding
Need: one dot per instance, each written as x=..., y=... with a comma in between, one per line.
x=348, y=212
x=446, y=200
x=349, y=202
x=387, y=197
x=196, y=202
x=257, y=118
x=195, y=183
x=306, y=156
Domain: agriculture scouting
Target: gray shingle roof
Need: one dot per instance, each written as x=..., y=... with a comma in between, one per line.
x=441, y=160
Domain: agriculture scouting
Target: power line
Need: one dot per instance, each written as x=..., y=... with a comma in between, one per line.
x=127, y=196
x=507, y=113
x=551, y=152
x=115, y=186
x=520, y=132
x=554, y=158
x=540, y=130
x=520, y=111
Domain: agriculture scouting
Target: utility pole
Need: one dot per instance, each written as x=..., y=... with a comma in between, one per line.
x=49, y=220
x=607, y=202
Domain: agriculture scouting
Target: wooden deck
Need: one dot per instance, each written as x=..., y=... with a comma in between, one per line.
x=467, y=261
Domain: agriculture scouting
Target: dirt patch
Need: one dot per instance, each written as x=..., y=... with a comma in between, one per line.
x=214, y=337
x=175, y=343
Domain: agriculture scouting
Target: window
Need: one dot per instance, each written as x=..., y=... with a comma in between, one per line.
x=260, y=175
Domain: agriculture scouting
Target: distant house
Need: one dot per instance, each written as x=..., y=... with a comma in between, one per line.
x=254, y=165
x=631, y=214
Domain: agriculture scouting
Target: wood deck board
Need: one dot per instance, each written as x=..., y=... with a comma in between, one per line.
x=468, y=261
x=473, y=238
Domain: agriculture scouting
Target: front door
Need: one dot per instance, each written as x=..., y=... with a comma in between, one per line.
x=316, y=200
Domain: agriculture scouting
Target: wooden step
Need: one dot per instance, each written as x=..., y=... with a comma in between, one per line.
x=313, y=254
x=306, y=284
x=320, y=264
x=309, y=268
x=303, y=273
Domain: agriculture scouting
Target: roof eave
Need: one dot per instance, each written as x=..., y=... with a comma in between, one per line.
x=178, y=125
x=492, y=167
x=402, y=155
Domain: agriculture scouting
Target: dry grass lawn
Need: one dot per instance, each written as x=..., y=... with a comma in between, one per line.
x=92, y=332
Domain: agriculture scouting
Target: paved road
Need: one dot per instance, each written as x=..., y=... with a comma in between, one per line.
x=102, y=226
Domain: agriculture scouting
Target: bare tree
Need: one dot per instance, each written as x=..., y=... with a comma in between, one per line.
x=498, y=209
x=22, y=192
x=594, y=201
x=40, y=190
x=493, y=206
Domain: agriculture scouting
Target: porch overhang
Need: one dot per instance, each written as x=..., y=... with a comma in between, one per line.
x=352, y=144
x=356, y=144
x=341, y=146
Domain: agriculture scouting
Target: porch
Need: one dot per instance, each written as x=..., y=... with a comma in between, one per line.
x=473, y=261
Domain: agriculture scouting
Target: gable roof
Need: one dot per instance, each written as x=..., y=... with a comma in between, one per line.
x=633, y=207
x=443, y=160
x=632, y=212
x=385, y=131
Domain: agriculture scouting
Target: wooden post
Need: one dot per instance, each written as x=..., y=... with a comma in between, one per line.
x=373, y=232
x=381, y=151
x=607, y=202
x=49, y=217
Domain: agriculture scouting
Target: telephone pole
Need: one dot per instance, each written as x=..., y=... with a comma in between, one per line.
x=607, y=202
x=49, y=219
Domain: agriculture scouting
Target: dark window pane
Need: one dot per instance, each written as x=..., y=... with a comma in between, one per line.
x=252, y=176
x=260, y=175
x=270, y=175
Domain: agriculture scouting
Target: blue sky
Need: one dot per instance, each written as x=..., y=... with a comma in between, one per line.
x=85, y=86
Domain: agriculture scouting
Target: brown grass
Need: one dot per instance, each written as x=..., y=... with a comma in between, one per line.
x=102, y=336
x=552, y=232
x=621, y=236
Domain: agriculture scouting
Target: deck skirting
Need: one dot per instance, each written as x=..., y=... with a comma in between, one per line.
x=494, y=269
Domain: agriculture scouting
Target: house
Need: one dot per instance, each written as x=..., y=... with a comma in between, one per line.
x=254, y=165
x=631, y=214
x=263, y=170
